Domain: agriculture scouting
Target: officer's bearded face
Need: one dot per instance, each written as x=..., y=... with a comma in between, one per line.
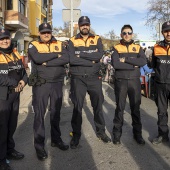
x=45, y=36
x=84, y=29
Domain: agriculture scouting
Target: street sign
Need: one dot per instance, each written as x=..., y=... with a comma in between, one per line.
x=67, y=17
x=67, y=3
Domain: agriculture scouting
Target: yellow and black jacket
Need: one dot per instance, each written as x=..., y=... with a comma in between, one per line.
x=85, y=55
x=161, y=62
x=134, y=59
x=11, y=72
x=40, y=52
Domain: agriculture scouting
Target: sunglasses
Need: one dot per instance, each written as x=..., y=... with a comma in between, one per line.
x=129, y=33
x=45, y=33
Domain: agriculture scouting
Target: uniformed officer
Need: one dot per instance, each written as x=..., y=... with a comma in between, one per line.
x=85, y=51
x=49, y=57
x=127, y=59
x=161, y=66
x=13, y=78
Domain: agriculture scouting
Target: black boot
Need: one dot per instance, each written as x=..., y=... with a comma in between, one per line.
x=139, y=139
x=15, y=155
x=116, y=140
x=41, y=154
x=74, y=142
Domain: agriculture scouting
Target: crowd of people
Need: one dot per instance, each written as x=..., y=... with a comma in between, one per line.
x=84, y=54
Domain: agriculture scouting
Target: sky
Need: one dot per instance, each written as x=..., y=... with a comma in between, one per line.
x=107, y=15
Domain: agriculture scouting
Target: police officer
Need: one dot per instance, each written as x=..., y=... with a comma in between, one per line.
x=13, y=78
x=127, y=59
x=48, y=57
x=161, y=66
x=85, y=51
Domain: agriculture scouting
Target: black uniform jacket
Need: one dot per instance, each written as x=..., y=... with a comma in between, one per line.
x=54, y=54
x=11, y=72
x=161, y=62
x=89, y=53
x=134, y=59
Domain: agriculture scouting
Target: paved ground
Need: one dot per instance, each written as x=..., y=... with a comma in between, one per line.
x=92, y=154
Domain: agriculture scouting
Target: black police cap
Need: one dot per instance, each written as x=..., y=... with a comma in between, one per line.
x=45, y=27
x=166, y=26
x=84, y=20
x=4, y=33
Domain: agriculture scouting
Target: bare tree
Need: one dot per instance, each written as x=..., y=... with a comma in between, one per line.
x=158, y=11
x=111, y=35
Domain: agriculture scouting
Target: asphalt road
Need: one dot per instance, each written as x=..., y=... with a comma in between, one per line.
x=92, y=154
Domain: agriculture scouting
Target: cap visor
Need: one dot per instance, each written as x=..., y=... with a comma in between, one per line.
x=46, y=30
x=4, y=36
x=82, y=23
x=165, y=29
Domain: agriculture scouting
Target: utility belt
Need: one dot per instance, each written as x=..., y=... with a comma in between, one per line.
x=35, y=80
x=85, y=76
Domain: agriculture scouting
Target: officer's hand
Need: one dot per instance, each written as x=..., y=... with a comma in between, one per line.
x=96, y=50
x=59, y=55
x=122, y=60
x=21, y=83
x=20, y=86
x=44, y=64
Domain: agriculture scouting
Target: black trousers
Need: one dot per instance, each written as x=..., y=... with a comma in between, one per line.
x=79, y=87
x=162, y=95
x=9, y=110
x=41, y=94
x=132, y=88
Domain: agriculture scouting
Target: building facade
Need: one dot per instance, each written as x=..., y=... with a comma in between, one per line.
x=22, y=18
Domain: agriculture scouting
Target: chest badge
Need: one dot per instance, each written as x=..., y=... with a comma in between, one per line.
x=91, y=42
x=56, y=48
x=133, y=49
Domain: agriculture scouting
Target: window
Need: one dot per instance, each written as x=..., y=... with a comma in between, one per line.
x=9, y=5
x=21, y=7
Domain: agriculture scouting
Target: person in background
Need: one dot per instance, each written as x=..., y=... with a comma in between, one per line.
x=106, y=61
x=86, y=51
x=148, y=52
x=48, y=58
x=145, y=70
x=127, y=59
x=161, y=66
x=13, y=79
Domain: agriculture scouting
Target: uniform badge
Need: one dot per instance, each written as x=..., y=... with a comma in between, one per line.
x=56, y=48
x=133, y=49
x=91, y=42
x=45, y=25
